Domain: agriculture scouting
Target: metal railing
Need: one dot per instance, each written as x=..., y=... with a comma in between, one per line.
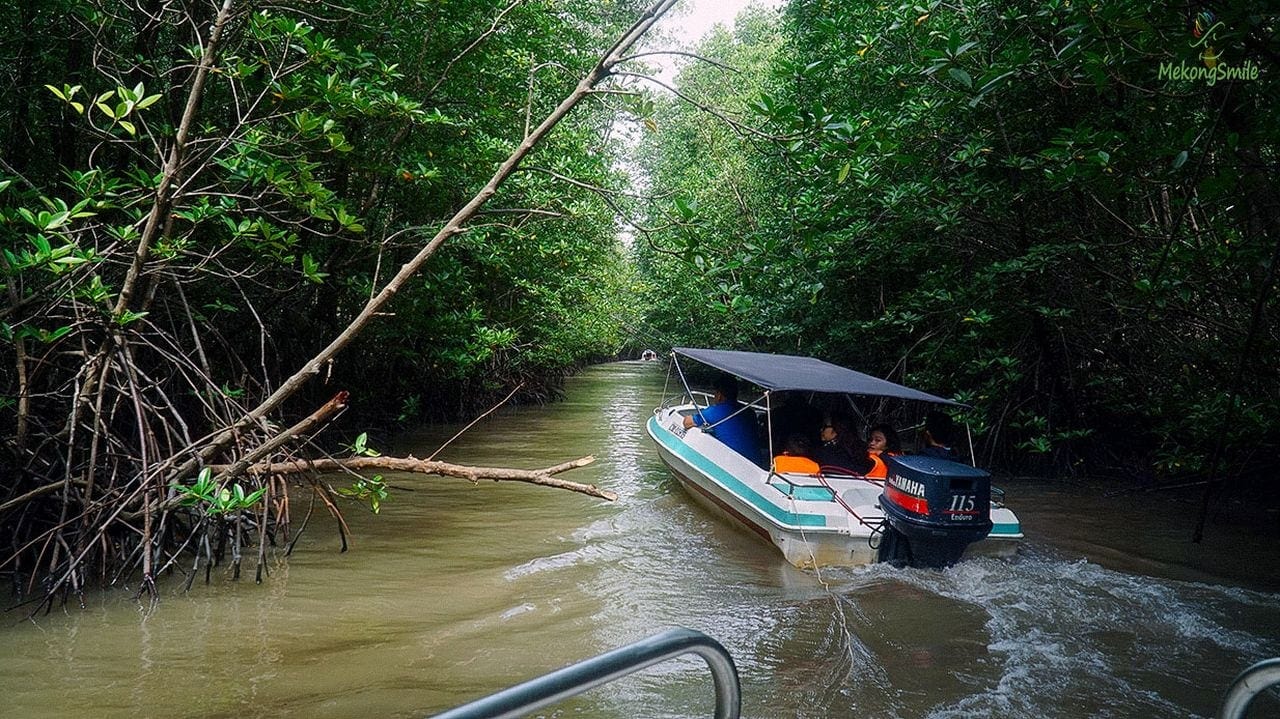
x=577, y=678
x=1248, y=685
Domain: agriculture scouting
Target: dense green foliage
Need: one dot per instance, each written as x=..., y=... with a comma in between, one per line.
x=1024, y=206
x=1002, y=202
x=324, y=150
x=197, y=199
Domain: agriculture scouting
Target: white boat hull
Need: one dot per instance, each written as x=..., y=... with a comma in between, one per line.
x=813, y=521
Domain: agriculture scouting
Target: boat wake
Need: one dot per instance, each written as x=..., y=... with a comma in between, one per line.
x=1039, y=635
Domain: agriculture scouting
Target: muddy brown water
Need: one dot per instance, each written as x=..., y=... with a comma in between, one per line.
x=455, y=591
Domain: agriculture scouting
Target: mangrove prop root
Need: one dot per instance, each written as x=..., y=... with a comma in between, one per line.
x=103, y=440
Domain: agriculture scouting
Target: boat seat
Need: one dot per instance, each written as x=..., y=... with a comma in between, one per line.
x=802, y=490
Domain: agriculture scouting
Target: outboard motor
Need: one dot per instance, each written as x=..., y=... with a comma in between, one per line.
x=934, y=508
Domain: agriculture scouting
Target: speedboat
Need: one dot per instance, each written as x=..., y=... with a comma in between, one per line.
x=926, y=512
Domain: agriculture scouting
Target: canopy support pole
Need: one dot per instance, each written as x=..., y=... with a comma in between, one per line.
x=768, y=424
x=667, y=382
x=688, y=390
x=973, y=458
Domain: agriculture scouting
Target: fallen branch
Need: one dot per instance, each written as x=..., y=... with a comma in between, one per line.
x=327, y=411
x=414, y=465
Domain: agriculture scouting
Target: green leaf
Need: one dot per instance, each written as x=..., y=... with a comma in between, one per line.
x=1180, y=160
x=311, y=269
x=961, y=76
x=843, y=174
x=129, y=316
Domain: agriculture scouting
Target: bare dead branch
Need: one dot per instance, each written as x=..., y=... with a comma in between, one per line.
x=737, y=126
x=683, y=53
x=413, y=465
x=473, y=422
x=327, y=411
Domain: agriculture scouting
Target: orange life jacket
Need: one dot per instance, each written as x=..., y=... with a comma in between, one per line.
x=878, y=468
x=792, y=463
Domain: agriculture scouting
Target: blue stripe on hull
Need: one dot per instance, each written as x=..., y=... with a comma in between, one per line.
x=724, y=506
x=730, y=483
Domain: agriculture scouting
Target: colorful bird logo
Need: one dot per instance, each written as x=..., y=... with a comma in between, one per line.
x=1202, y=25
x=1202, y=29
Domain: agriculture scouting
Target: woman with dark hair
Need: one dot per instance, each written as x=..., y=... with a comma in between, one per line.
x=841, y=451
x=882, y=439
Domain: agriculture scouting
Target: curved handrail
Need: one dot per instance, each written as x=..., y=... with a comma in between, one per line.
x=1247, y=686
x=577, y=678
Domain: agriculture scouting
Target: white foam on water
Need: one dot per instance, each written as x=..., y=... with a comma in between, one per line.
x=1075, y=637
x=589, y=554
x=517, y=611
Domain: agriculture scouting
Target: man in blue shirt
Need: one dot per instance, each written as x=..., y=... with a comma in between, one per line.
x=738, y=431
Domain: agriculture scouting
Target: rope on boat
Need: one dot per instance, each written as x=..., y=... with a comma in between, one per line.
x=813, y=559
x=877, y=528
x=840, y=500
x=836, y=599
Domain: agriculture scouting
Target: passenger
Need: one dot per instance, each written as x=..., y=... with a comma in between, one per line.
x=794, y=457
x=939, y=429
x=737, y=431
x=882, y=440
x=841, y=451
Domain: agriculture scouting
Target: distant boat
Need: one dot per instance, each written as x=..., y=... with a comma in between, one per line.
x=929, y=512
x=649, y=356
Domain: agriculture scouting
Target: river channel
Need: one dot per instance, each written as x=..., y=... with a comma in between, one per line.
x=454, y=591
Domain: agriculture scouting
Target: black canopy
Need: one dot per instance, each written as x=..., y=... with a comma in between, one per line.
x=805, y=374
